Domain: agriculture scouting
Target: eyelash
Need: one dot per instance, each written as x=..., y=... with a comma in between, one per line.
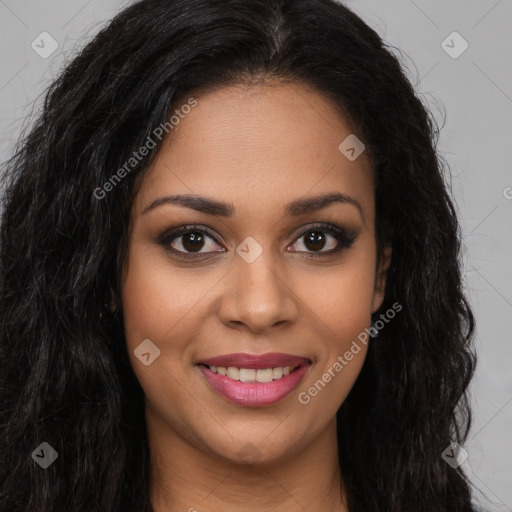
x=344, y=238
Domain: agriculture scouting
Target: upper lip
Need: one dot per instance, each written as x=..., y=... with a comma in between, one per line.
x=256, y=361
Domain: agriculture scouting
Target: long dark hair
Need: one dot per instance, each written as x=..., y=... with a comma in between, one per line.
x=65, y=377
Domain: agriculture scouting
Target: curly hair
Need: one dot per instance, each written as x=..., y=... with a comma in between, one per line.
x=65, y=375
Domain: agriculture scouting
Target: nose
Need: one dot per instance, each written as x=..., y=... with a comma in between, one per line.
x=258, y=296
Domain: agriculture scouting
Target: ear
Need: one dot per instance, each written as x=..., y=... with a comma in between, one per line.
x=380, y=278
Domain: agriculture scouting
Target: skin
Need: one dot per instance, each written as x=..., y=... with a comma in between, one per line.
x=258, y=147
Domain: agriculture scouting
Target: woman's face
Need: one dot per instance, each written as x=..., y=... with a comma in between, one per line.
x=260, y=272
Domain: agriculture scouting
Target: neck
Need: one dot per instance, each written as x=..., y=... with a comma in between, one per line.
x=187, y=477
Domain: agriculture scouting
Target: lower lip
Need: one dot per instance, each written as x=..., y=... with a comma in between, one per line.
x=255, y=394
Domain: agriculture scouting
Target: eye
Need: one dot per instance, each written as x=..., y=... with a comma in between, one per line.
x=189, y=241
x=320, y=236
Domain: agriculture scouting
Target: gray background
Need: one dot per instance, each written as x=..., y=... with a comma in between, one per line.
x=475, y=89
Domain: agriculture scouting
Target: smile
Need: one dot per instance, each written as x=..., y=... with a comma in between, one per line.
x=251, y=384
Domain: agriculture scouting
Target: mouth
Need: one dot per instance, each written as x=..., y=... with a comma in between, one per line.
x=261, y=375
x=254, y=380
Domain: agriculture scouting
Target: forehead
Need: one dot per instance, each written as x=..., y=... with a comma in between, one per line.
x=258, y=147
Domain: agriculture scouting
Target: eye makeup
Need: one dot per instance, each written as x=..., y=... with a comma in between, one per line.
x=198, y=234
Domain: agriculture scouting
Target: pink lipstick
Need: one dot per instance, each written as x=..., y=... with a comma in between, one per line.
x=254, y=380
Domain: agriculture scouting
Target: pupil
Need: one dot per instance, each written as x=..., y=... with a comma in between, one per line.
x=193, y=241
x=316, y=239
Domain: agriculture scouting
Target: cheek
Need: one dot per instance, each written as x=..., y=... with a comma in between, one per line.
x=342, y=309
x=343, y=297
x=153, y=309
x=155, y=300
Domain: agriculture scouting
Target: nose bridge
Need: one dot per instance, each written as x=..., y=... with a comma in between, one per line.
x=257, y=294
x=260, y=277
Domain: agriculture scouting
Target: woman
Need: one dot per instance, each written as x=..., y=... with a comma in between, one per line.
x=230, y=274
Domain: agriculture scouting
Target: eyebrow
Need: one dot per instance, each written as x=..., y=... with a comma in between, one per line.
x=214, y=207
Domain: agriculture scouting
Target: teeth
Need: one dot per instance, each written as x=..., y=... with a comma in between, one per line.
x=252, y=375
x=233, y=373
x=247, y=375
x=264, y=375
